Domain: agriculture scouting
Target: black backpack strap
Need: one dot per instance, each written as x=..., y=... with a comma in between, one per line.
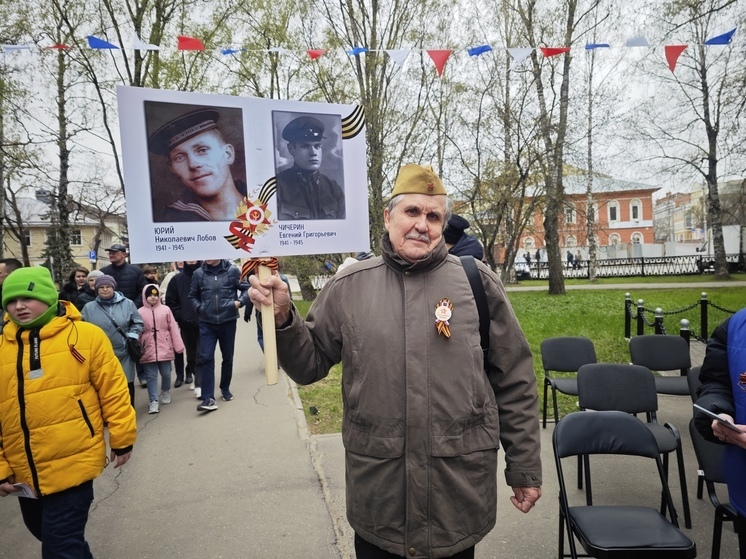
x=480, y=298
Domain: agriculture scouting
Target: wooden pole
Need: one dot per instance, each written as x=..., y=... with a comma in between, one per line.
x=268, y=331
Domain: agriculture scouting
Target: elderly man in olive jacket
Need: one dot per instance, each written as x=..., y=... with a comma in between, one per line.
x=422, y=420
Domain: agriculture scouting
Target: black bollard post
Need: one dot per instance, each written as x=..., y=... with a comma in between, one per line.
x=627, y=316
x=704, y=330
x=640, y=317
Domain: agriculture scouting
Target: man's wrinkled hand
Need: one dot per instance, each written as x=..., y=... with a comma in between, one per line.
x=524, y=498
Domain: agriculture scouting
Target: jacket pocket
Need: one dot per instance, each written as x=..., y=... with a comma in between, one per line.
x=380, y=439
x=481, y=433
x=85, y=417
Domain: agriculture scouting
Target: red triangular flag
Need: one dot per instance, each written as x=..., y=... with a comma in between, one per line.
x=59, y=46
x=440, y=57
x=553, y=51
x=189, y=43
x=315, y=53
x=672, y=54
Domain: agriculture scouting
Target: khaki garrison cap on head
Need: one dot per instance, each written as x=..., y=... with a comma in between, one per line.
x=181, y=128
x=418, y=179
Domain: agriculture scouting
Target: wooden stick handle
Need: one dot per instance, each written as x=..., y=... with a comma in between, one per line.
x=268, y=331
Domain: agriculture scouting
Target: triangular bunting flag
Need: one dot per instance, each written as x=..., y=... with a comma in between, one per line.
x=553, y=51
x=137, y=44
x=14, y=48
x=398, y=56
x=59, y=46
x=189, y=43
x=591, y=46
x=440, y=57
x=672, y=54
x=723, y=39
x=278, y=50
x=356, y=51
x=315, y=53
x=637, y=42
x=96, y=43
x=230, y=51
x=476, y=51
x=519, y=54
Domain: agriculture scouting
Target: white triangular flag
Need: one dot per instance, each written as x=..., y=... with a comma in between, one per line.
x=637, y=42
x=137, y=44
x=519, y=54
x=398, y=56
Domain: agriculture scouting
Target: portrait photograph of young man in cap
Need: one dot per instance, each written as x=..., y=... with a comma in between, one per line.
x=197, y=164
x=309, y=166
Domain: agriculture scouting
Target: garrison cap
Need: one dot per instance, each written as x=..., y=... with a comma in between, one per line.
x=303, y=128
x=182, y=128
x=418, y=179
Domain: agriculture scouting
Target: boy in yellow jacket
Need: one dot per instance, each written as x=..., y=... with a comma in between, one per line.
x=60, y=382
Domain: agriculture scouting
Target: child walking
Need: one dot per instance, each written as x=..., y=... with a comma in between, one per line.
x=161, y=341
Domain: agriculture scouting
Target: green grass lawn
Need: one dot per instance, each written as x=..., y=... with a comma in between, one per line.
x=595, y=314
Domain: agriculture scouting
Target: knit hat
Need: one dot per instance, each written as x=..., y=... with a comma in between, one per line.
x=418, y=179
x=32, y=283
x=455, y=229
x=103, y=279
x=151, y=289
x=94, y=274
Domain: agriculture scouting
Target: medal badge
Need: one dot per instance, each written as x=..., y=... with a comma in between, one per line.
x=742, y=380
x=443, y=313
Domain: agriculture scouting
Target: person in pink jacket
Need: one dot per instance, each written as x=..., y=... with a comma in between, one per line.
x=161, y=341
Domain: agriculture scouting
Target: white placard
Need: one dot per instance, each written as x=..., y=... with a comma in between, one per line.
x=178, y=207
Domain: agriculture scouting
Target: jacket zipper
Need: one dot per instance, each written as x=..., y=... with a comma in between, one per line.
x=85, y=417
x=155, y=333
x=22, y=410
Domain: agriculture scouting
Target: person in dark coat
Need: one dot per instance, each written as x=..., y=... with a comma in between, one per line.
x=75, y=287
x=303, y=192
x=458, y=242
x=130, y=279
x=177, y=299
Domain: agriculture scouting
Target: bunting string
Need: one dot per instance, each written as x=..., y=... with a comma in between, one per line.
x=399, y=56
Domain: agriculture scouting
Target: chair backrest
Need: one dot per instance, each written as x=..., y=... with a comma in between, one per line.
x=604, y=432
x=567, y=354
x=709, y=455
x=660, y=352
x=617, y=386
x=692, y=379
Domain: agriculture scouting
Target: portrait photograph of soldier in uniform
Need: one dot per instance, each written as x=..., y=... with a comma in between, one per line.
x=197, y=163
x=309, y=166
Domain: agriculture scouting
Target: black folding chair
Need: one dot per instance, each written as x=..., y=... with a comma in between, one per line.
x=614, y=531
x=631, y=389
x=710, y=461
x=563, y=355
x=663, y=353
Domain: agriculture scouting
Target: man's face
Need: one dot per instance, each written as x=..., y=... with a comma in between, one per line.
x=212, y=262
x=117, y=257
x=415, y=225
x=4, y=273
x=203, y=164
x=307, y=154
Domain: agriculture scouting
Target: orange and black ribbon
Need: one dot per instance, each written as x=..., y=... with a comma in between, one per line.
x=251, y=264
x=442, y=316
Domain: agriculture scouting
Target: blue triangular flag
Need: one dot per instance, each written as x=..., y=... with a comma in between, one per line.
x=723, y=39
x=476, y=51
x=357, y=50
x=96, y=43
x=591, y=46
x=230, y=51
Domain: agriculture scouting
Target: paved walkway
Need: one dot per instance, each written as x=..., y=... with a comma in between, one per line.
x=247, y=481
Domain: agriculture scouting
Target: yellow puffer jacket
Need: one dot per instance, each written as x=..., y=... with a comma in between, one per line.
x=54, y=401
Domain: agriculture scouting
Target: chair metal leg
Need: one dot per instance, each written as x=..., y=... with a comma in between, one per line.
x=684, y=491
x=717, y=534
x=700, y=486
x=544, y=421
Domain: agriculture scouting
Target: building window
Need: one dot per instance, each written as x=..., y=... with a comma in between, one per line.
x=569, y=215
x=528, y=243
x=635, y=210
x=636, y=238
x=613, y=210
x=614, y=239
x=27, y=238
x=571, y=241
x=75, y=237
